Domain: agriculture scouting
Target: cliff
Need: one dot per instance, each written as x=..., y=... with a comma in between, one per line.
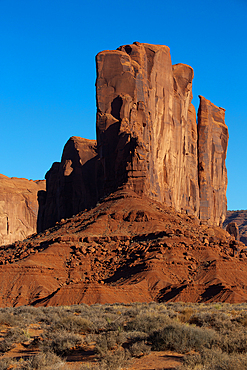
x=148, y=141
x=18, y=208
x=71, y=183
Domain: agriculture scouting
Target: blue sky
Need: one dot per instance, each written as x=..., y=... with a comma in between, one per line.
x=47, y=71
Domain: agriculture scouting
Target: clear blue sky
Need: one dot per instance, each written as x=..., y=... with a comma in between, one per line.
x=47, y=71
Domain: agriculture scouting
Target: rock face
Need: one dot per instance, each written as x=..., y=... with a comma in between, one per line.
x=18, y=208
x=148, y=141
x=146, y=125
x=212, y=146
x=232, y=229
x=71, y=183
x=240, y=219
x=147, y=132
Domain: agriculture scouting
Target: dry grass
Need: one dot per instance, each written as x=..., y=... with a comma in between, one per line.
x=212, y=336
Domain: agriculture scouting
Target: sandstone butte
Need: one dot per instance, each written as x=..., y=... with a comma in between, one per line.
x=18, y=208
x=147, y=141
x=137, y=215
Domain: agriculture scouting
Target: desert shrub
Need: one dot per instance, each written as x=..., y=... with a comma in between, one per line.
x=7, y=318
x=185, y=314
x=108, y=341
x=6, y=363
x=13, y=335
x=60, y=342
x=73, y=323
x=147, y=323
x=234, y=341
x=26, y=315
x=182, y=338
x=214, y=359
x=216, y=320
x=135, y=336
x=43, y=361
x=242, y=319
x=139, y=349
x=114, y=360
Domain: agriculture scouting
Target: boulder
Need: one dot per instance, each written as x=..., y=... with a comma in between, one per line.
x=232, y=229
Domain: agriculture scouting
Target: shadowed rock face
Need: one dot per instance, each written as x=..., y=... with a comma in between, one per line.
x=71, y=183
x=147, y=141
x=18, y=208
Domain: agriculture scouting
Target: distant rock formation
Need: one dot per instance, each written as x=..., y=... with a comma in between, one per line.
x=240, y=219
x=232, y=229
x=18, y=208
x=148, y=140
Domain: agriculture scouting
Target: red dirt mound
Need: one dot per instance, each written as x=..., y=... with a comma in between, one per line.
x=125, y=249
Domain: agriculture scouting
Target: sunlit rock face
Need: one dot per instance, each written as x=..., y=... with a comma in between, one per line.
x=148, y=141
x=18, y=208
x=147, y=133
x=212, y=146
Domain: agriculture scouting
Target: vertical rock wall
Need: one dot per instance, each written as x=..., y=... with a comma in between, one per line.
x=212, y=146
x=146, y=124
x=70, y=184
x=147, y=132
x=18, y=208
x=147, y=140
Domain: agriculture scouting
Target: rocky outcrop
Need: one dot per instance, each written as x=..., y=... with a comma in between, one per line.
x=70, y=184
x=18, y=208
x=240, y=219
x=212, y=146
x=232, y=229
x=147, y=132
x=147, y=141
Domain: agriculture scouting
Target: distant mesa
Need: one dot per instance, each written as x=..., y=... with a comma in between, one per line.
x=18, y=208
x=147, y=141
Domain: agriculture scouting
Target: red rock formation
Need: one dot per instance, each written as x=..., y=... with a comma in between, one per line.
x=240, y=218
x=212, y=147
x=147, y=133
x=147, y=141
x=232, y=229
x=18, y=208
x=71, y=183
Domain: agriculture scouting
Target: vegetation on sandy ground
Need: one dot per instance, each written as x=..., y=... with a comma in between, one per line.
x=211, y=336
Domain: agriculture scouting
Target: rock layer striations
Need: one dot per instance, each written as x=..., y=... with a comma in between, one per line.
x=148, y=141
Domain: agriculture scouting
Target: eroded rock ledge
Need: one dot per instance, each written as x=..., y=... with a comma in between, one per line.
x=148, y=141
